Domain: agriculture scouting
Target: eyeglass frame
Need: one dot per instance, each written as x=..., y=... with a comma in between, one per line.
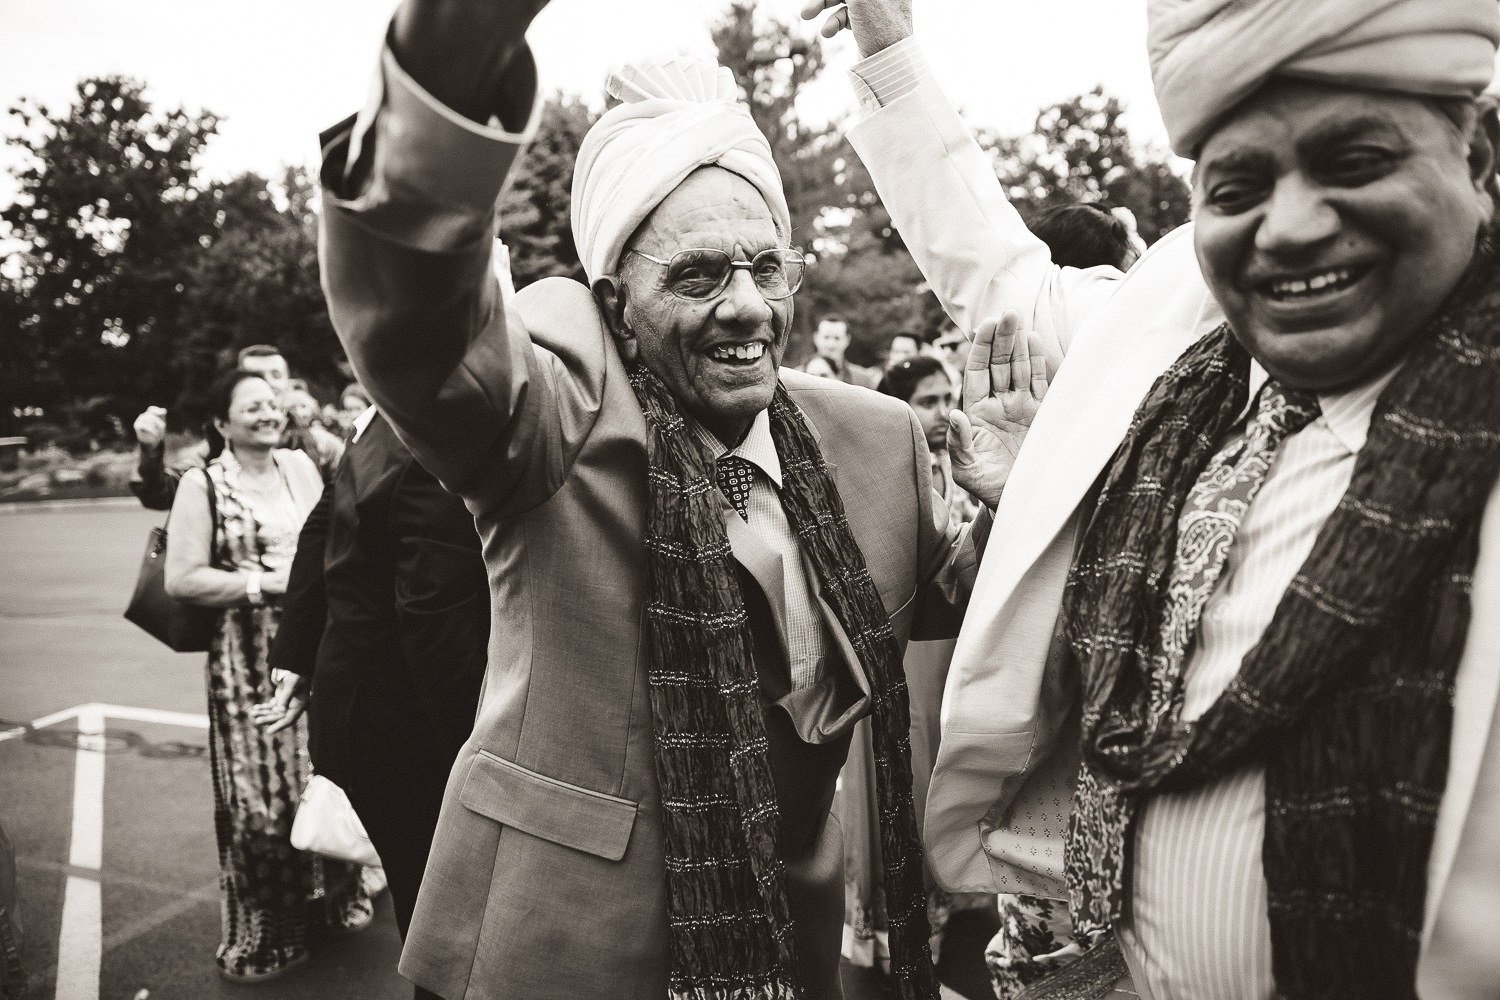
x=747, y=265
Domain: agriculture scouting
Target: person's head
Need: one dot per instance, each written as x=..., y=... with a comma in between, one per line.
x=267, y=362
x=819, y=366
x=924, y=384
x=684, y=232
x=903, y=347
x=354, y=400
x=1342, y=184
x=245, y=414
x=953, y=346
x=1332, y=222
x=301, y=407
x=1085, y=235
x=716, y=351
x=831, y=338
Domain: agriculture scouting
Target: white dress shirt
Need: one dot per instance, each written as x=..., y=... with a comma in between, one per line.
x=1197, y=928
x=806, y=641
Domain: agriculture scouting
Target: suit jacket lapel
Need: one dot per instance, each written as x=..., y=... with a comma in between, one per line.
x=1086, y=415
x=764, y=564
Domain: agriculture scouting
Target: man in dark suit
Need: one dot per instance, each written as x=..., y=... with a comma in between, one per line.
x=387, y=614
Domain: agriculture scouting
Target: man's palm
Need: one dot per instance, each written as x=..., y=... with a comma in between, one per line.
x=1005, y=379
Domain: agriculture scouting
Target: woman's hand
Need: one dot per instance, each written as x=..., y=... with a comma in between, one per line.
x=1005, y=379
x=274, y=584
x=286, y=705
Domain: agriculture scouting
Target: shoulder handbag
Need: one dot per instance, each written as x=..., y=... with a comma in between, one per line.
x=326, y=824
x=184, y=627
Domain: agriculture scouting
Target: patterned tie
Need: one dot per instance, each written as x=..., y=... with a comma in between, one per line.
x=1211, y=517
x=734, y=476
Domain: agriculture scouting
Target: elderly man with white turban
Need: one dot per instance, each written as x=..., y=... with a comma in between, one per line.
x=1228, y=679
x=704, y=569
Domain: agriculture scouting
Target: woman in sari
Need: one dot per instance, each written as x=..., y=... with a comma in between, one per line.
x=234, y=531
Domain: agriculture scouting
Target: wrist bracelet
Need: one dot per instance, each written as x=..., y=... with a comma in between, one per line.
x=252, y=587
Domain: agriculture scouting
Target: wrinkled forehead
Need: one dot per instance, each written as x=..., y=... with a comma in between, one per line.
x=1288, y=115
x=712, y=207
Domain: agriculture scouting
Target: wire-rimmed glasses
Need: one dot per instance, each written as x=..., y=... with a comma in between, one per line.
x=703, y=272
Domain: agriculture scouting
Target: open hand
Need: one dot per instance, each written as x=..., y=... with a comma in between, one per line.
x=876, y=24
x=1004, y=381
x=286, y=705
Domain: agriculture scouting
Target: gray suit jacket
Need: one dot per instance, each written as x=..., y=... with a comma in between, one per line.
x=546, y=877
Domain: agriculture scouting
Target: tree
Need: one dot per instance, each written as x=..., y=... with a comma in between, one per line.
x=535, y=221
x=258, y=282
x=106, y=214
x=1080, y=151
x=858, y=266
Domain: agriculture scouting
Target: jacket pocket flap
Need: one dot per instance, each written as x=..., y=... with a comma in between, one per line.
x=544, y=807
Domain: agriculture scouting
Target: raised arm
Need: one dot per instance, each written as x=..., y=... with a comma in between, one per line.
x=411, y=187
x=941, y=191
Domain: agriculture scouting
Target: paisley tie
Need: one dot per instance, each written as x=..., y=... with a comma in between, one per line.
x=1211, y=518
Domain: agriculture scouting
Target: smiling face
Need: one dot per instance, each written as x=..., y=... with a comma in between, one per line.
x=255, y=419
x=1331, y=223
x=719, y=355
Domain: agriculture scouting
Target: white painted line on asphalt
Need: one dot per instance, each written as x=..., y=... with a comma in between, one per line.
x=158, y=716
x=87, y=850
x=43, y=722
x=80, y=944
x=78, y=948
x=155, y=715
x=37, y=506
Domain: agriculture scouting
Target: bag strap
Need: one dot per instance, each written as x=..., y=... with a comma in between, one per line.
x=213, y=518
x=213, y=514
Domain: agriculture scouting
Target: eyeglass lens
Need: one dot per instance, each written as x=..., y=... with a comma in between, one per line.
x=704, y=273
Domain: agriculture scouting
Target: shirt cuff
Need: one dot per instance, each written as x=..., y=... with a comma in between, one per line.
x=889, y=74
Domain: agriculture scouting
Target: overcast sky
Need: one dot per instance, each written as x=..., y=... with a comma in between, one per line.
x=278, y=71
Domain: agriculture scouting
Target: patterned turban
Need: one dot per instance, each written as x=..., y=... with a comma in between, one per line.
x=1208, y=55
x=680, y=113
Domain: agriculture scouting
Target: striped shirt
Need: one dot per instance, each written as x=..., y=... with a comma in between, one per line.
x=1197, y=926
x=806, y=643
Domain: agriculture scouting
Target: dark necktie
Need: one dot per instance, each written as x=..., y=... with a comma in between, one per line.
x=734, y=476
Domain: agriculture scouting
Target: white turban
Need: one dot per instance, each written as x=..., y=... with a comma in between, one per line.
x=680, y=113
x=1208, y=55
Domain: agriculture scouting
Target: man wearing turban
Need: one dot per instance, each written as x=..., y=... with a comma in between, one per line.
x=703, y=568
x=1224, y=703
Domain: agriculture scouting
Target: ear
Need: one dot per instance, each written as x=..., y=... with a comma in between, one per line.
x=221, y=426
x=609, y=293
x=1484, y=139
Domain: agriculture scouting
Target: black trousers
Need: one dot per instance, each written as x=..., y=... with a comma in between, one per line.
x=397, y=789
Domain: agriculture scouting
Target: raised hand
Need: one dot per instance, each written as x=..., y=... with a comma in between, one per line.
x=876, y=24
x=1004, y=381
x=151, y=427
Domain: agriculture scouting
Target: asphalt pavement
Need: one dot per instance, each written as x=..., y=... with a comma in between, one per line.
x=128, y=845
